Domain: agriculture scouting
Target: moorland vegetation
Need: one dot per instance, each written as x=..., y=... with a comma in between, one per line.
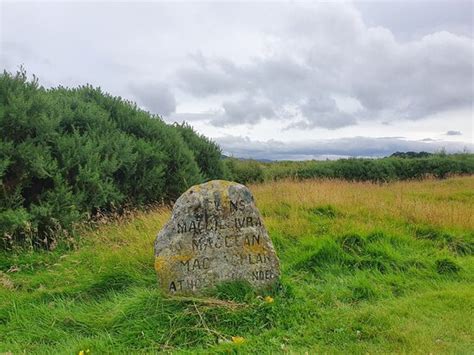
x=366, y=268
x=71, y=155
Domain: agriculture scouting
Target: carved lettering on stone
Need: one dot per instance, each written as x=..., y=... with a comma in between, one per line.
x=215, y=234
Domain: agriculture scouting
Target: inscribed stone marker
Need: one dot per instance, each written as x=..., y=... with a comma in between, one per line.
x=215, y=234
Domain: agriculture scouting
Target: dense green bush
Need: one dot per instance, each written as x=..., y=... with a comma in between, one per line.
x=206, y=152
x=67, y=154
x=402, y=166
x=244, y=171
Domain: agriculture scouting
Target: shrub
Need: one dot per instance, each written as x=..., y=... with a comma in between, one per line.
x=244, y=171
x=68, y=154
x=397, y=167
x=206, y=153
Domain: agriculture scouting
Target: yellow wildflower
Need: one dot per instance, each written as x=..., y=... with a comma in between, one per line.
x=81, y=352
x=268, y=299
x=238, y=340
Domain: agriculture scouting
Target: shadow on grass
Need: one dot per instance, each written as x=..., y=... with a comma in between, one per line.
x=457, y=244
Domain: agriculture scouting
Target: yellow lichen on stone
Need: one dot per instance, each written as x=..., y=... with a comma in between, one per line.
x=225, y=200
x=163, y=262
x=255, y=248
x=223, y=188
x=224, y=183
x=160, y=263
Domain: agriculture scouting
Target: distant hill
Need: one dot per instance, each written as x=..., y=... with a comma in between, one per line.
x=223, y=156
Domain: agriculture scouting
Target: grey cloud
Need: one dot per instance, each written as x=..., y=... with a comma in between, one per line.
x=322, y=111
x=416, y=79
x=202, y=81
x=269, y=76
x=342, y=147
x=453, y=133
x=244, y=111
x=190, y=117
x=155, y=97
x=392, y=80
x=328, y=120
x=247, y=110
x=281, y=56
x=409, y=19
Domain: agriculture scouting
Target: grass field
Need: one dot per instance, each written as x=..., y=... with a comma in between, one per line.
x=366, y=268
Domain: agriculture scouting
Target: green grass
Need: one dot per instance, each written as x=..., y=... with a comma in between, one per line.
x=365, y=269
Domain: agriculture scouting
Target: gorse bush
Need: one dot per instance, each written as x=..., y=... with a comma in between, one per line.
x=205, y=152
x=67, y=154
x=397, y=167
x=244, y=171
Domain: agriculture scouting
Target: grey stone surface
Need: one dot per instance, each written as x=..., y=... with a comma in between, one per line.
x=215, y=234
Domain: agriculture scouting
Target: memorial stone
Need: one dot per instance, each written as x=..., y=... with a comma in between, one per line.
x=215, y=234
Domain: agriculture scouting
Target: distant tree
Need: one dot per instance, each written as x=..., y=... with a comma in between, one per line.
x=410, y=155
x=244, y=171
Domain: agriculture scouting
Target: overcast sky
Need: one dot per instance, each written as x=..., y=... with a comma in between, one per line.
x=280, y=80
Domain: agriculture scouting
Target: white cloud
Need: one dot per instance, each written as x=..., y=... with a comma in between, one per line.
x=328, y=51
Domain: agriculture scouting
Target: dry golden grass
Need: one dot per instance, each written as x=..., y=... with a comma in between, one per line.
x=364, y=207
x=447, y=203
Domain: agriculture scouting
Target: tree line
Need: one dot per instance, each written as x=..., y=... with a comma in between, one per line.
x=399, y=166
